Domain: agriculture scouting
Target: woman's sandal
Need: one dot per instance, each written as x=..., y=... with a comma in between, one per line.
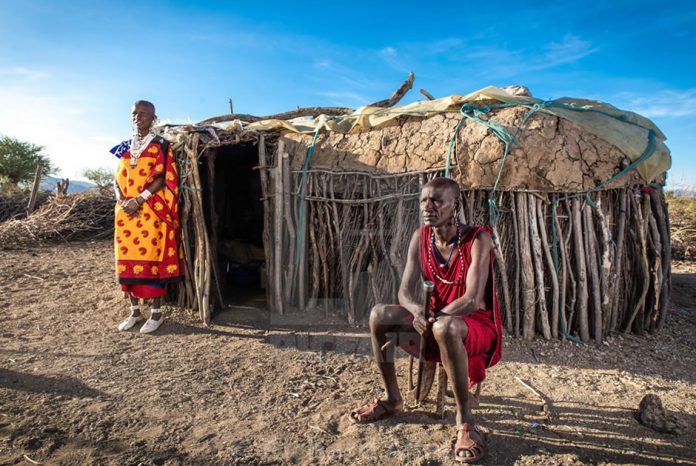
x=369, y=413
x=475, y=448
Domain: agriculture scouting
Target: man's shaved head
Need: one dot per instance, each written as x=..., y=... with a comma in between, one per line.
x=145, y=103
x=142, y=116
x=445, y=184
x=440, y=200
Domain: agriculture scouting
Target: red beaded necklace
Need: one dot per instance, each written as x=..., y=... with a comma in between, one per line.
x=458, y=278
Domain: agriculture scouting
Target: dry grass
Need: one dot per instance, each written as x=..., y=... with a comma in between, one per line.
x=682, y=212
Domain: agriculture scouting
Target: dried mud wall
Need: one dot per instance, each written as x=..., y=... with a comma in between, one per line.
x=553, y=154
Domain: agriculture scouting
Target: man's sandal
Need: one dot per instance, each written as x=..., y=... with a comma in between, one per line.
x=370, y=413
x=476, y=449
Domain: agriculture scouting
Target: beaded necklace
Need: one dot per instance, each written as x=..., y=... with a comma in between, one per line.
x=139, y=144
x=458, y=245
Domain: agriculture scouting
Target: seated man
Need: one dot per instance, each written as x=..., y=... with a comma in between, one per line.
x=464, y=331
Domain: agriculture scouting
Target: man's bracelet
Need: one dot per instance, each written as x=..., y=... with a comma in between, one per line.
x=145, y=194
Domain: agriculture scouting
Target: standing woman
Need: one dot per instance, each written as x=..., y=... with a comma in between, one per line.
x=147, y=230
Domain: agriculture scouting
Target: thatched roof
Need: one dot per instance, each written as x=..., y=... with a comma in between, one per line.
x=564, y=145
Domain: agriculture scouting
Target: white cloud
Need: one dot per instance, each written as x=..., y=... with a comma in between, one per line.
x=481, y=58
x=23, y=74
x=668, y=103
x=388, y=52
x=570, y=49
x=391, y=57
x=345, y=98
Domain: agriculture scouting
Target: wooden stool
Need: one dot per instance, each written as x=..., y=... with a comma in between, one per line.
x=428, y=379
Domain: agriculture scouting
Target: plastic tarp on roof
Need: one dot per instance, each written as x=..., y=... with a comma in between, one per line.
x=627, y=131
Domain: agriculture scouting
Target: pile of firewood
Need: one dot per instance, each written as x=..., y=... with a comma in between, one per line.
x=82, y=216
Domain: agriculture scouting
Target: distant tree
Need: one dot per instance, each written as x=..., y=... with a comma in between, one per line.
x=18, y=160
x=102, y=177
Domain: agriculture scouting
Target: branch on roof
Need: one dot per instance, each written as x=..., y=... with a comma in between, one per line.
x=397, y=95
x=427, y=94
x=300, y=112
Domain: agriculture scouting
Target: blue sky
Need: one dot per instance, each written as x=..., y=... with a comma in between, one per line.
x=70, y=70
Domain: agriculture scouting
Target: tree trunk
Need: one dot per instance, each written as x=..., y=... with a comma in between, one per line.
x=34, y=189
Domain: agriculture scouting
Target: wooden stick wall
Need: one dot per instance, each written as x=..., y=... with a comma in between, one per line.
x=613, y=254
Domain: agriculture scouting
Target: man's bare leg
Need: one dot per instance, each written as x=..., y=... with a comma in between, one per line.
x=385, y=319
x=450, y=332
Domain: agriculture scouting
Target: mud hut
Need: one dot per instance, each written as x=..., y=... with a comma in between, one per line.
x=312, y=210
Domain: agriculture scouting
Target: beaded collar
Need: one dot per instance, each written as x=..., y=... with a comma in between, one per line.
x=138, y=145
x=433, y=256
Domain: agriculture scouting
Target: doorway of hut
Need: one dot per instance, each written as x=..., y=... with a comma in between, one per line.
x=237, y=226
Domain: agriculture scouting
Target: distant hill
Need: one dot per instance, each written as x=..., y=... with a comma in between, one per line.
x=683, y=192
x=48, y=183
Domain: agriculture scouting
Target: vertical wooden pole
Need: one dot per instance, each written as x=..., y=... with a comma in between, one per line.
x=278, y=230
x=501, y=265
x=538, y=266
x=203, y=256
x=302, y=252
x=290, y=224
x=541, y=216
x=658, y=203
x=579, y=249
x=214, y=226
x=343, y=260
x=527, y=272
x=516, y=230
x=563, y=268
x=606, y=278
x=593, y=266
x=263, y=174
x=657, y=272
x=619, y=259
x=573, y=286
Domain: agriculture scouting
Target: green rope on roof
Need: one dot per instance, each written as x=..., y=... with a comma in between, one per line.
x=452, y=143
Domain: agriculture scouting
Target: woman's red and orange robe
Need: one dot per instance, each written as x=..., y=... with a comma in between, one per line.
x=148, y=246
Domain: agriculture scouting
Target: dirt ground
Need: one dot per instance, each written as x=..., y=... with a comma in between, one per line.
x=256, y=389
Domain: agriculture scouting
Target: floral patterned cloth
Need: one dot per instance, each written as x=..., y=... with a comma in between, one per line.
x=148, y=246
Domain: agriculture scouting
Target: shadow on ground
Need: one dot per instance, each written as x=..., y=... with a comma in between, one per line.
x=43, y=384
